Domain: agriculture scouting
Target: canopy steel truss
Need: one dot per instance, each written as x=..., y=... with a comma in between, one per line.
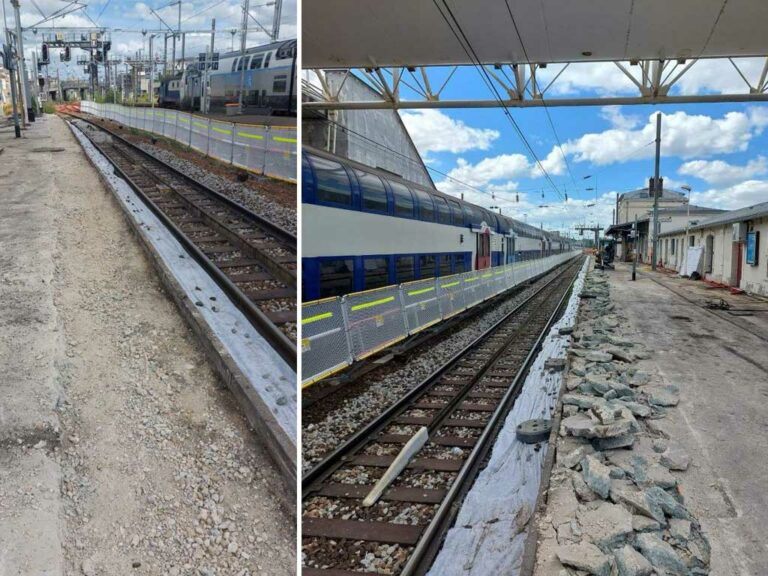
x=521, y=83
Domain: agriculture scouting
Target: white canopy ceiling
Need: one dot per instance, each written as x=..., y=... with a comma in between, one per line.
x=364, y=33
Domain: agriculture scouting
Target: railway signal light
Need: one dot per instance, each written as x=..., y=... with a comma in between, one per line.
x=44, y=50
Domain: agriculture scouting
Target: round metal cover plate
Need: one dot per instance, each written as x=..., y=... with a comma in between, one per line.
x=534, y=431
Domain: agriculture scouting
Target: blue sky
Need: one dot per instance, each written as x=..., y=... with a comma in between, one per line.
x=717, y=149
x=133, y=17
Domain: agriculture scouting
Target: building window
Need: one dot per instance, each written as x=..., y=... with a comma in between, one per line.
x=376, y=273
x=403, y=200
x=280, y=84
x=332, y=182
x=336, y=277
x=458, y=263
x=691, y=241
x=426, y=266
x=405, y=269
x=374, y=193
x=445, y=264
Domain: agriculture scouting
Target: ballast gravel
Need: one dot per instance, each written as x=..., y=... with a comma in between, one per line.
x=283, y=216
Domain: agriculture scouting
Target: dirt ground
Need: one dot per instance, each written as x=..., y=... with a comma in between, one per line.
x=159, y=473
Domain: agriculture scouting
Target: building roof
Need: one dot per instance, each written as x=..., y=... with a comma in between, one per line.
x=725, y=218
x=644, y=194
x=693, y=209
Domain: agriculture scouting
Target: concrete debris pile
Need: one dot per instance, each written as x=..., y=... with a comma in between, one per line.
x=615, y=507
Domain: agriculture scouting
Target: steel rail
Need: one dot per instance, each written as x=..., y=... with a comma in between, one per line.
x=328, y=465
x=429, y=544
x=276, y=338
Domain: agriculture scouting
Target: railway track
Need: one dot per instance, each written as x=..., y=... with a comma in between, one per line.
x=253, y=260
x=462, y=406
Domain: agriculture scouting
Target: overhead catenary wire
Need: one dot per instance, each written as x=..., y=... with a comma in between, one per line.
x=466, y=45
x=541, y=95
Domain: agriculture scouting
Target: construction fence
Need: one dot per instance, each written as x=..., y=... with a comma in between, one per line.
x=339, y=330
x=269, y=150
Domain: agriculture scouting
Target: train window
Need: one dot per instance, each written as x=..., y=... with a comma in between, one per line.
x=376, y=273
x=336, y=277
x=332, y=182
x=458, y=216
x=403, y=200
x=445, y=264
x=426, y=207
x=458, y=263
x=256, y=61
x=280, y=84
x=374, y=193
x=241, y=63
x=405, y=269
x=426, y=266
x=266, y=59
x=443, y=212
x=234, y=63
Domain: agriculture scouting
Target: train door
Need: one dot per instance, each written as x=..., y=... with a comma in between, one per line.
x=483, y=258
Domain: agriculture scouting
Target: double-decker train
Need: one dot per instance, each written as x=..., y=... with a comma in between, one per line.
x=364, y=228
x=267, y=73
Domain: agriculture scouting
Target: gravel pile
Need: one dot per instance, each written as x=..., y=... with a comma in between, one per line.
x=385, y=387
x=248, y=197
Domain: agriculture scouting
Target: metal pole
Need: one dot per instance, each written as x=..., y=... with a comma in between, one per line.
x=152, y=77
x=656, y=192
x=183, y=46
x=687, y=224
x=23, y=89
x=16, y=127
x=276, y=20
x=241, y=65
x=165, y=54
x=637, y=246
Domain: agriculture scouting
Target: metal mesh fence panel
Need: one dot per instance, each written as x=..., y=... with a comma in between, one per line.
x=199, y=139
x=375, y=320
x=183, y=127
x=450, y=294
x=250, y=147
x=220, y=142
x=281, y=153
x=421, y=304
x=324, y=343
x=473, y=291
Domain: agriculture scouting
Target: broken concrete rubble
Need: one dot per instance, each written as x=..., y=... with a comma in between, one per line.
x=623, y=511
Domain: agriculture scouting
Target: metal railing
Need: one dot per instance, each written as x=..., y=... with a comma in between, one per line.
x=339, y=330
x=269, y=150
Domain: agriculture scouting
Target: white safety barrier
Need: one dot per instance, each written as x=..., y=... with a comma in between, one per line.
x=269, y=150
x=337, y=331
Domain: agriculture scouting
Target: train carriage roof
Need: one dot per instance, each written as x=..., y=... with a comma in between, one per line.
x=519, y=228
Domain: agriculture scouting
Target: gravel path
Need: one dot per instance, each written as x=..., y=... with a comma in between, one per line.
x=383, y=388
x=258, y=203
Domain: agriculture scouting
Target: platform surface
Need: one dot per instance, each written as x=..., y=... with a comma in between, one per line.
x=722, y=419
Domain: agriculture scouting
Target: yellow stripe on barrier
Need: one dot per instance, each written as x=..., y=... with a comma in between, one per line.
x=282, y=139
x=487, y=275
x=185, y=120
x=251, y=136
x=499, y=273
x=200, y=124
x=316, y=318
x=450, y=284
x=422, y=291
x=470, y=279
x=221, y=130
x=372, y=303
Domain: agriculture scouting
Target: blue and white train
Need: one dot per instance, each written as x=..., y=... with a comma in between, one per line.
x=268, y=74
x=364, y=228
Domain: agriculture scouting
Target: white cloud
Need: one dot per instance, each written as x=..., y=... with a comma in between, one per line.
x=503, y=167
x=618, y=119
x=553, y=163
x=732, y=197
x=683, y=135
x=435, y=131
x=603, y=78
x=719, y=172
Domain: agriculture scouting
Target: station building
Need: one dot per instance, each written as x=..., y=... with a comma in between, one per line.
x=637, y=206
x=735, y=253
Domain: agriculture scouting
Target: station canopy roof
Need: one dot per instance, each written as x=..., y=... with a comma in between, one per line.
x=367, y=33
